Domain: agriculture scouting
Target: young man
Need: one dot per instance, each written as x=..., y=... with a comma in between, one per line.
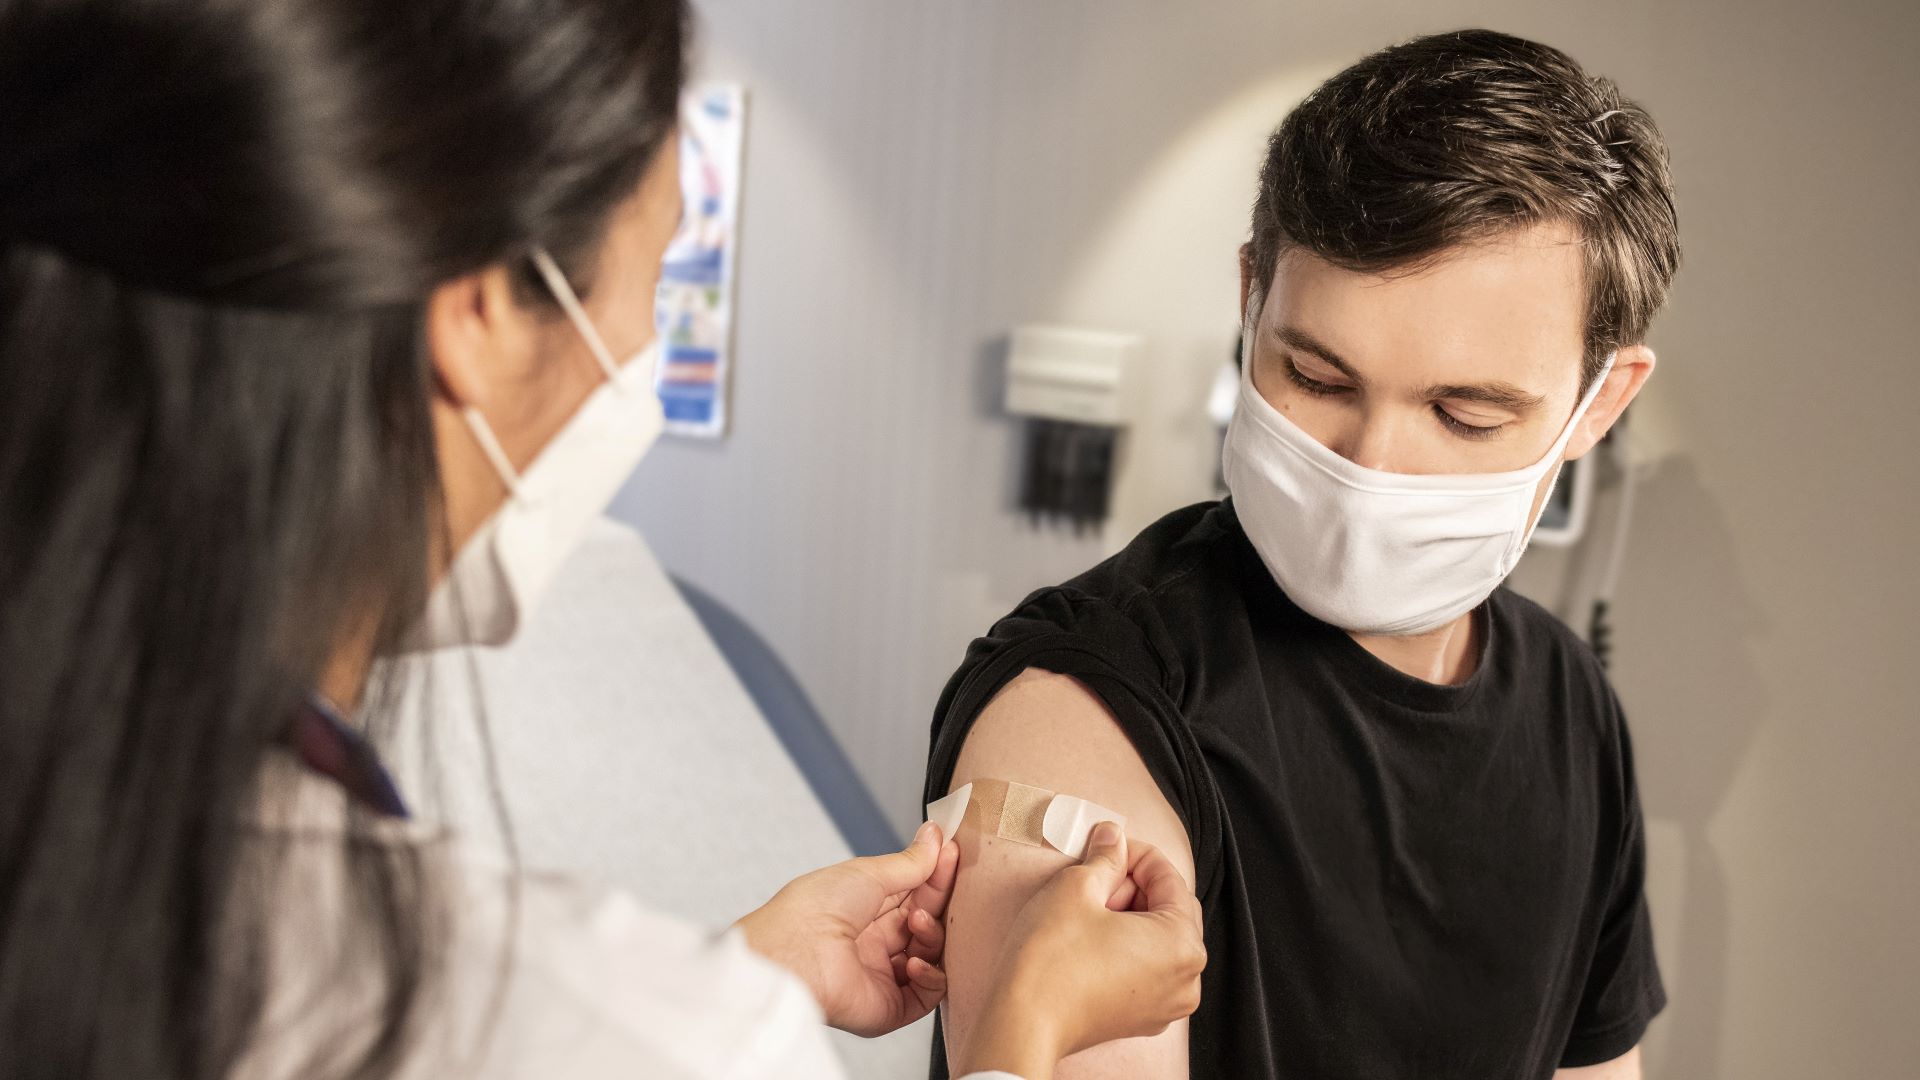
x=1404, y=794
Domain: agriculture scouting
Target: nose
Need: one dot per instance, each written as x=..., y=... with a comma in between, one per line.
x=1371, y=442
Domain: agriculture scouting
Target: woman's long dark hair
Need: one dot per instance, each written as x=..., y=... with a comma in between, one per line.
x=219, y=221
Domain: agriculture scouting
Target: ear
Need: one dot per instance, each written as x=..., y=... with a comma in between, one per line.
x=478, y=337
x=1632, y=367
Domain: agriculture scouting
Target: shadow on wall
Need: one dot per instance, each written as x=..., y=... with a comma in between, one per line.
x=990, y=408
x=1688, y=657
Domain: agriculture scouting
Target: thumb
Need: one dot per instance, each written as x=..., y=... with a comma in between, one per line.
x=906, y=869
x=1106, y=856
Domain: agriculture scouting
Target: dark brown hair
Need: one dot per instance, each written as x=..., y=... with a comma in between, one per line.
x=1453, y=138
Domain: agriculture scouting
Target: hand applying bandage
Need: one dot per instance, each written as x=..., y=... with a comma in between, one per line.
x=1109, y=948
x=865, y=934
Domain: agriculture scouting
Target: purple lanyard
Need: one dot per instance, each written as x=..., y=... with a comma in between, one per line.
x=334, y=750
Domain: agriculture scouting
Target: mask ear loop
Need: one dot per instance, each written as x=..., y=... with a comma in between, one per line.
x=490, y=446
x=1249, y=334
x=570, y=303
x=1592, y=395
x=1586, y=402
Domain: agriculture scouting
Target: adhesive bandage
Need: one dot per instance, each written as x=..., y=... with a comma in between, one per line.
x=1022, y=814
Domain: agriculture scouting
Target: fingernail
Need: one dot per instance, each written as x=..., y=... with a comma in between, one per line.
x=928, y=831
x=1106, y=834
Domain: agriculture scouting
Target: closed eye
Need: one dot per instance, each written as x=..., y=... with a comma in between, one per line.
x=1310, y=384
x=1462, y=428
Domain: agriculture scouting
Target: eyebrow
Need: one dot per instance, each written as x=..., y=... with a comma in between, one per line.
x=1307, y=343
x=1500, y=395
x=1497, y=394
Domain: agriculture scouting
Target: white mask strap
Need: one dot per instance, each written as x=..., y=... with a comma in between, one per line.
x=1249, y=333
x=570, y=303
x=1580, y=408
x=490, y=446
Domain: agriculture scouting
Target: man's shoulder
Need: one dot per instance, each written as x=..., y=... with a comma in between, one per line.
x=1543, y=629
x=1549, y=651
x=1121, y=617
x=1182, y=550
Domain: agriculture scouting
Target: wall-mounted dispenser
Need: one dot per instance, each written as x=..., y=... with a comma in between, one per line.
x=1075, y=389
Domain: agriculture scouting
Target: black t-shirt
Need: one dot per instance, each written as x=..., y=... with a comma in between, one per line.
x=1400, y=879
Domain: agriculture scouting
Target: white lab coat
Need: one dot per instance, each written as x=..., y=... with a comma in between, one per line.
x=588, y=985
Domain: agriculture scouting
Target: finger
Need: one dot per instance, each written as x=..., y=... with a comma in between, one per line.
x=929, y=937
x=920, y=987
x=1138, y=850
x=1127, y=896
x=905, y=870
x=1139, y=898
x=927, y=983
x=1106, y=857
x=1164, y=889
x=932, y=897
x=889, y=931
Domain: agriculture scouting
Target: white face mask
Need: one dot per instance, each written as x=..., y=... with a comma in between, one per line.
x=497, y=576
x=1369, y=551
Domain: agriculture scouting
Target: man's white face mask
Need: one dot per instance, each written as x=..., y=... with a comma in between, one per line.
x=499, y=574
x=1368, y=551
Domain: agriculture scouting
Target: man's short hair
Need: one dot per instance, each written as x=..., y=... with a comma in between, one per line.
x=1458, y=137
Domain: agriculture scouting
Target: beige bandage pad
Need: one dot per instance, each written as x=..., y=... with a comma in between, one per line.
x=1022, y=814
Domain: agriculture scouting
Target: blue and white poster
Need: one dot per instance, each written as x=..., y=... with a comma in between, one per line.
x=694, y=309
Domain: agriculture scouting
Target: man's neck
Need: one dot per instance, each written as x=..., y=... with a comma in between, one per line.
x=1447, y=656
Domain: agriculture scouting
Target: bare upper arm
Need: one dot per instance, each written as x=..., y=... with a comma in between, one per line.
x=1050, y=731
x=1624, y=1067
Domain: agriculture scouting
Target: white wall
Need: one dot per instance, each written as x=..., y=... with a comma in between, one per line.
x=924, y=175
